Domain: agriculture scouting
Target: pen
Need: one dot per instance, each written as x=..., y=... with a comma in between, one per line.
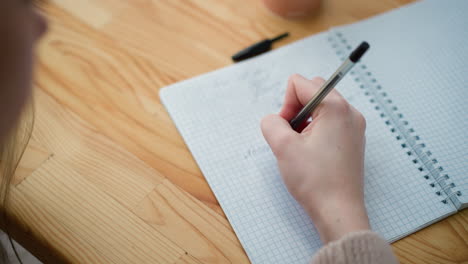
x=257, y=48
x=305, y=112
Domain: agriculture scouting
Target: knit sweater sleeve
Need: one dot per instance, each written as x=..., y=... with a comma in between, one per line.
x=363, y=247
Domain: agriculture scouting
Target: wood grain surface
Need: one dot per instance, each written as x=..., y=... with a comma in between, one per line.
x=106, y=177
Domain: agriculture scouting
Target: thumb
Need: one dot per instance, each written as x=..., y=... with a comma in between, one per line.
x=278, y=133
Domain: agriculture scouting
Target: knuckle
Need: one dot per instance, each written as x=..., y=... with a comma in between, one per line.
x=340, y=105
x=264, y=122
x=318, y=80
x=361, y=120
x=282, y=142
x=267, y=122
x=293, y=78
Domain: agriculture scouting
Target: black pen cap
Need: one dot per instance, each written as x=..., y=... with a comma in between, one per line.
x=358, y=52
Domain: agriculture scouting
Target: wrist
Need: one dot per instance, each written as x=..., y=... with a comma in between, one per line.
x=336, y=218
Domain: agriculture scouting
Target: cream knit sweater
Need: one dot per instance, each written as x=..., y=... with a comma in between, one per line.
x=363, y=247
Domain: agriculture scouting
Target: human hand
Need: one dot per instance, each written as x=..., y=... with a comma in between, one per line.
x=323, y=165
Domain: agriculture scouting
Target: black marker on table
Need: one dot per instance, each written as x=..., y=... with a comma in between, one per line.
x=257, y=48
x=353, y=58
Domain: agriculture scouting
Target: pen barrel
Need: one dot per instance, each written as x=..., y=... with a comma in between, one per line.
x=307, y=110
x=252, y=51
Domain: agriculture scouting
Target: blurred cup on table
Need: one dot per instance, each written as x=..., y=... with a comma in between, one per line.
x=292, y=8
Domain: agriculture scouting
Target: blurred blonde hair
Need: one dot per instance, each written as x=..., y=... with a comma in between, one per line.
x=11, y=152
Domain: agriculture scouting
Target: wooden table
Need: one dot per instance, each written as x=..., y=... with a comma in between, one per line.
x=106, y=177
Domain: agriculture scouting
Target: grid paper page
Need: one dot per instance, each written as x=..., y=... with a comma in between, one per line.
x=427, y=78
x=218, y=115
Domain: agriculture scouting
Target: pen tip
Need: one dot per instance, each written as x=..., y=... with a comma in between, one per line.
x=359, y=51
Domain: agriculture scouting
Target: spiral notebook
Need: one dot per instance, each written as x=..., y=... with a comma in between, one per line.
x=412, y=87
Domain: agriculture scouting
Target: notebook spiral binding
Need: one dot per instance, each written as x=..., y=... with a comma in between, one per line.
x=415, y=149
